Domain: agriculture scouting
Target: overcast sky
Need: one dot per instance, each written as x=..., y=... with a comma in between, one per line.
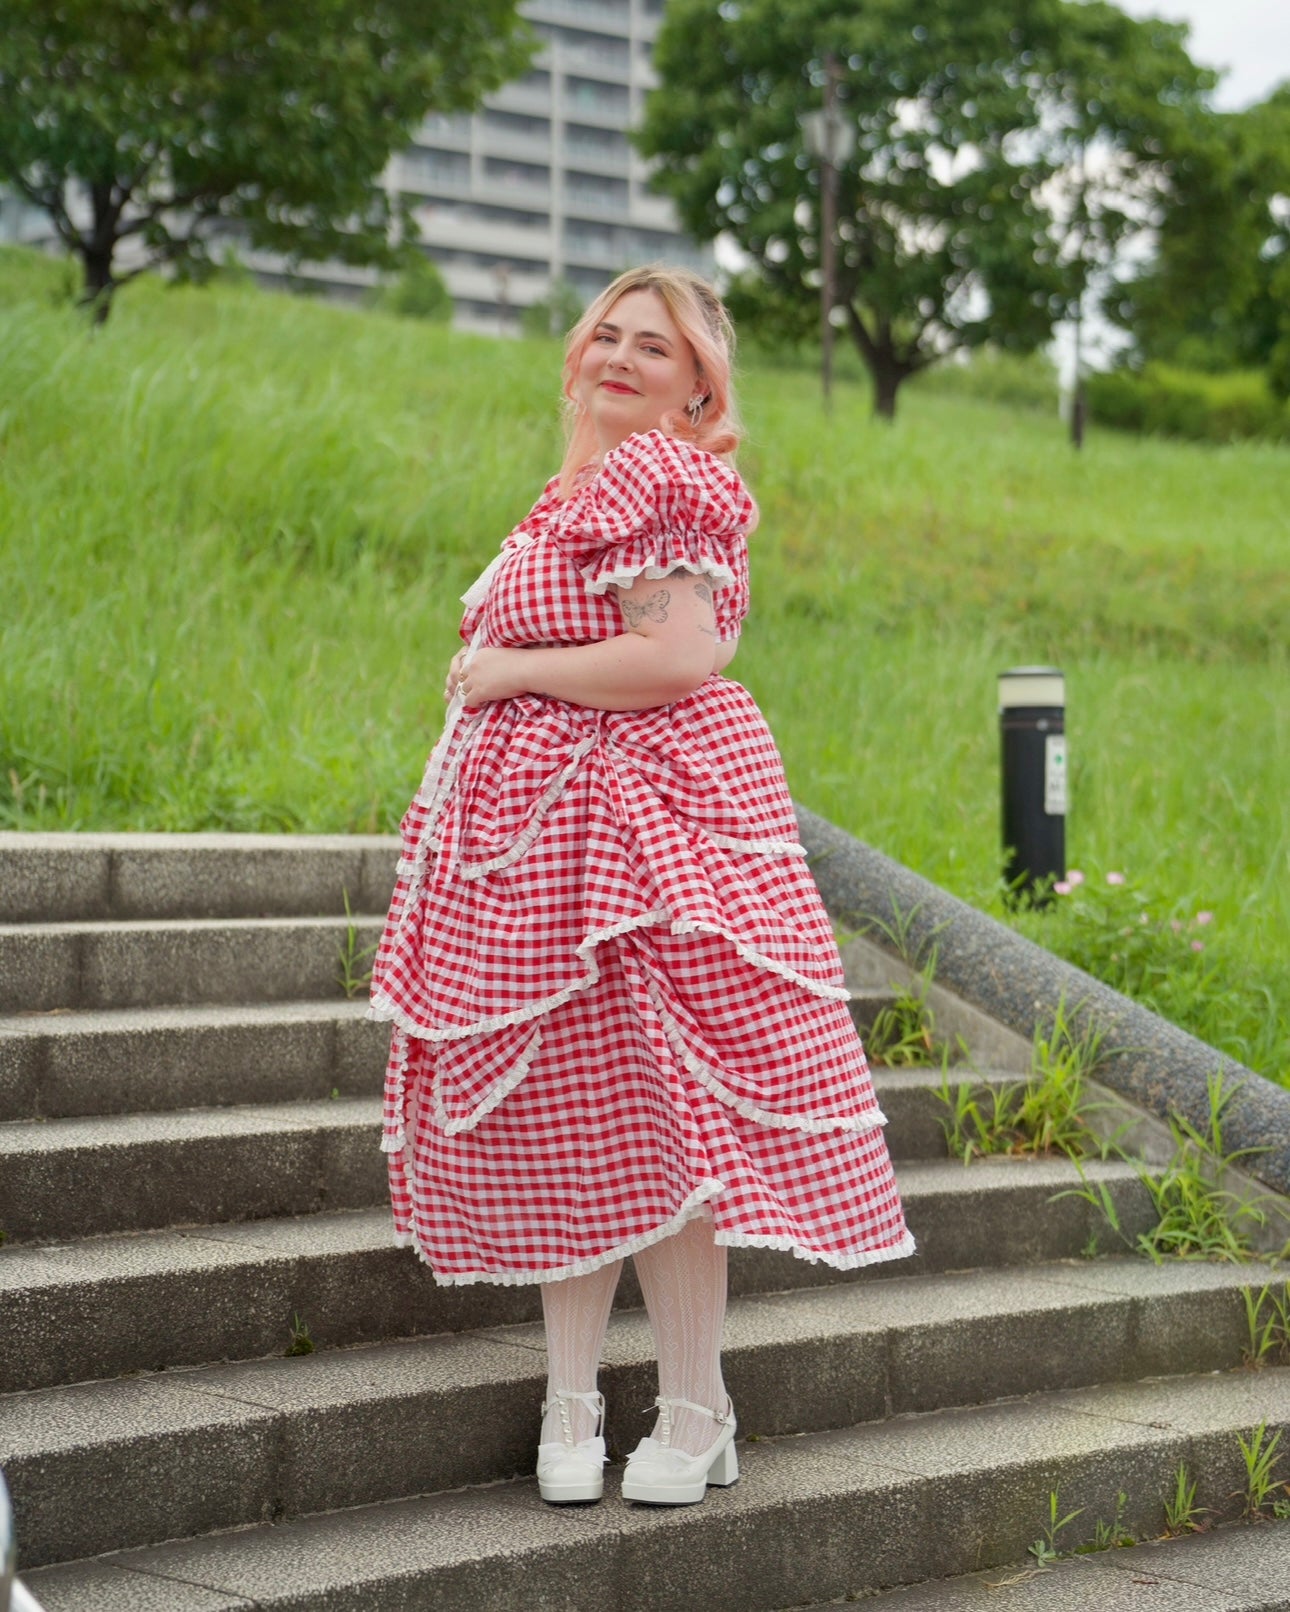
x=1249, y=37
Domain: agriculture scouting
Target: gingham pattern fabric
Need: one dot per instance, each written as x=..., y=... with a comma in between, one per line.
x=614, y=991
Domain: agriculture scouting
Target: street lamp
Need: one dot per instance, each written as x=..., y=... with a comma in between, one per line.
x=830, y=137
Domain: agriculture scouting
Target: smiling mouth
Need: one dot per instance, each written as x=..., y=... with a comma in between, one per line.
x=617, y=386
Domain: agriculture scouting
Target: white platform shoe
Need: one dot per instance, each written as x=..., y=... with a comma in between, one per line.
x=661, y=1476
x=569, y=1472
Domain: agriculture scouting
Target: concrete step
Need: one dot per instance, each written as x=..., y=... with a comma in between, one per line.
x=67, y=1062
x=291, y=1436
x=175, y=961
x=180, y=1298
x=814, y=1516
x=147, y=1060
x=67, y=1178
x=153, y=1168
x=1240, y=1568
x=63, y=878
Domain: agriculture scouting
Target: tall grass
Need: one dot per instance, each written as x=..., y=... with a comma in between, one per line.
x=233, y=530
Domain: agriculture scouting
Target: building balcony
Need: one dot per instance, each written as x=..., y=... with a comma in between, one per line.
x=458, y=234
x=614, y=16
x=533, y=100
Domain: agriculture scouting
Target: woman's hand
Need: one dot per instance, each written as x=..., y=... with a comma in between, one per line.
x=494, y=674
x=454, y=673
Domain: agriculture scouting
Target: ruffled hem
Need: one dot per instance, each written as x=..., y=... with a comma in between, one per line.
x=496, y=1095
x=693, y=1205
x=384, y=1010
x=721, y=576
x=710, y=1079
x=814, y=1256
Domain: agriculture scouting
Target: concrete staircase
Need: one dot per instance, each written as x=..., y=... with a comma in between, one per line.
x=190, y=1180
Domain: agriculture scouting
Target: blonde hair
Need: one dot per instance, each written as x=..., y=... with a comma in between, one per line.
x=705, y=324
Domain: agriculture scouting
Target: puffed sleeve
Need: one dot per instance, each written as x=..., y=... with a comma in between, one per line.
x=660, y=505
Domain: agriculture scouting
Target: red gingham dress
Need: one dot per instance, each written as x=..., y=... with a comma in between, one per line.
x=615, y=995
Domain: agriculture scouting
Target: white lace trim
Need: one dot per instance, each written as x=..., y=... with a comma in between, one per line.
x=394, y=1141
x=496, y=1093
x=814, y=1256
x=728, y=842
x=692, y=926
x=547, y=799
x=710, y=1078
x=693, y=1205
x=721, y=576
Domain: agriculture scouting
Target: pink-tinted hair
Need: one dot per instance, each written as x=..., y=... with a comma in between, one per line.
x=703, y=321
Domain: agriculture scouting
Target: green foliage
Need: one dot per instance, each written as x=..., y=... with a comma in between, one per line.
x=29, y=276
x=1046, y=1549
x=301, y=1343
x=1046, y=1113
x=420, y=292
x=553, y=315
x=1189, y=403
x=183, y=123
x=1215, y=295
x=934, y=253
x=1262, y=1457
x=1198, y=1215
x=1019, y=380
x=353, y=978
x=1267, y=1313
x=1182, y=1514
x=1164, y=953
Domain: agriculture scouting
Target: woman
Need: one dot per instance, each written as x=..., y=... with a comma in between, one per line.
x=619, y=1021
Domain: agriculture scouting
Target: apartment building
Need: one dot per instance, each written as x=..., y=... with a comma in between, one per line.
x=542, y=185
x=539, y=187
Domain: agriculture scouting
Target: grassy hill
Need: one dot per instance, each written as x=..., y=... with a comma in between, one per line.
x=234, y=526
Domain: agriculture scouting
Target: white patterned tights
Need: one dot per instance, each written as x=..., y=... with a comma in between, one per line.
x=683, y=1280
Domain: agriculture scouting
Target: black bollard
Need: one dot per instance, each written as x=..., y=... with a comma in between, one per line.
x=1032, y=728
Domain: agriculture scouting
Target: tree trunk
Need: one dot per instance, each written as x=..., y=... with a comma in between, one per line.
x=96, y=254
x=887, y=376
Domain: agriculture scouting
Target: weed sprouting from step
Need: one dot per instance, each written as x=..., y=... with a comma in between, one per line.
x=1267, y=1314
x=1197, y=1215
x=1182, y=1514
x=1044, y=1114
x=1045, y=1549
x=354, y=980
x=904, y=1034
x=1261, y=1461
x=1111, y=1535
x=301, y=1341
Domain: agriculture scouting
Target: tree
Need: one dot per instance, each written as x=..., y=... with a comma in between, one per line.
x=1215, y=294
x=420, y=292
x=164, y=123
x=948, y=235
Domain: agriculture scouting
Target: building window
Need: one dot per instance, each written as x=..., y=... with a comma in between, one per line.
x=581, y=139
x=591, y=98
x=519, y=175
x=596, y=192
x=427, y=167
x=516, y=126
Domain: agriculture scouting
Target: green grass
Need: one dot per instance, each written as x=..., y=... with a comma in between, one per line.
x=233, y=529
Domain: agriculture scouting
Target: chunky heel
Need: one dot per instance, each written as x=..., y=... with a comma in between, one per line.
x=725, y=1469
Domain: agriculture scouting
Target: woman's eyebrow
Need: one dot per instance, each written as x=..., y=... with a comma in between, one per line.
x=651, y=335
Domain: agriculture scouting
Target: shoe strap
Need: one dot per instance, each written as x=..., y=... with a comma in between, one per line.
x=666, y=1406
x=563, y=1398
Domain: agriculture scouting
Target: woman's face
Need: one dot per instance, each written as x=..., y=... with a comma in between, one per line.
x=636, y=368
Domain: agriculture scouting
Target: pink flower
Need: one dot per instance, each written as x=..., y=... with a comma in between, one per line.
x=1175, y=924
x=1198, y=945
x=1063, y=887
x=1115, y=878
x=1074, y=876
x=1204, y=917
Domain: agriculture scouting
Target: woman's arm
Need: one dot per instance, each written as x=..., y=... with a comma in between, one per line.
x=668, y=649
